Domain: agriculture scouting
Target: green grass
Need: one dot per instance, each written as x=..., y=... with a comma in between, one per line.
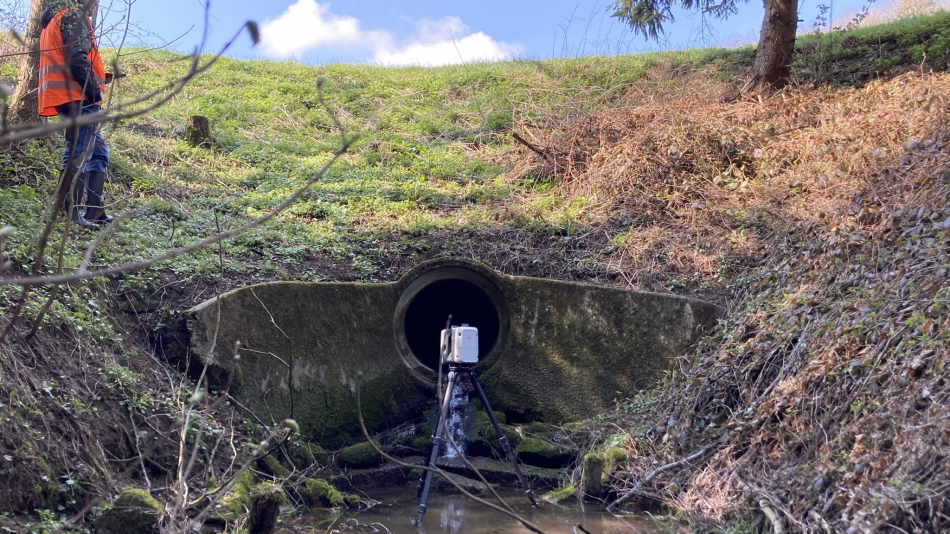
x=856, y=56
x=432, y=145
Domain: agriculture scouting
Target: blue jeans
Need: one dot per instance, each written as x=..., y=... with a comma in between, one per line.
x=78, y=141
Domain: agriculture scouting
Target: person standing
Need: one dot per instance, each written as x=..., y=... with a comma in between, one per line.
x=71, y=82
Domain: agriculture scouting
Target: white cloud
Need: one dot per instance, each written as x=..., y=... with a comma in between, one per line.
x=445, y=42
x=308, y=26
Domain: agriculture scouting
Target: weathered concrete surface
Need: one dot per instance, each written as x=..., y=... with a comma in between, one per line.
x=573, y=347
x=330, y=333
x=564, y=350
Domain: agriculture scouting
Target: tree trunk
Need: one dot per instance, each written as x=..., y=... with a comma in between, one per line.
x=198, y=130
x=773, y=56
x=23, y=102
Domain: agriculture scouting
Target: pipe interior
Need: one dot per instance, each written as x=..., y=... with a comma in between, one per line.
x=428, y=310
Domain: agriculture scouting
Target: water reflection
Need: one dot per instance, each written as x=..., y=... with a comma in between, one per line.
x=451, y=514
x=456, y=514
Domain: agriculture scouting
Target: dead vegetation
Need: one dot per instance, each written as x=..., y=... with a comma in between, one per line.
x=822, y=399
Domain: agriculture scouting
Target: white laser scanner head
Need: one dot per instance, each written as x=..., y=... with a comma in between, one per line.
x=462, y=343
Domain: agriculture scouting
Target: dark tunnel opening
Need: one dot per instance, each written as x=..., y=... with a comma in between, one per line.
x=430, y=307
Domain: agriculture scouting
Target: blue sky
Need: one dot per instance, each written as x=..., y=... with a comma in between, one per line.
x=398, y=32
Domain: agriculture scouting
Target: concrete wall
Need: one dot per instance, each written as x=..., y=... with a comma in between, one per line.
x=564, y=350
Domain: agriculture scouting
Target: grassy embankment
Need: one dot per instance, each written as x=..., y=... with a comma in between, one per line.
x=650, y=182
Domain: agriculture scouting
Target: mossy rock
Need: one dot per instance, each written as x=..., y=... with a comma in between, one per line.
x=238, y=499
x=421, y=443
x=319, y=492
x=360, y=456
x=304, y=455
x=266, y=500
x=534, y=451
x=614, y=457
x=272, y=466
x=352, y=500
x=562, y=494
x=411, y=445
x=535, y=428
x=320, y=456
x=574, y=427
x=591, y=475
x=482, y=438
x=134, y=511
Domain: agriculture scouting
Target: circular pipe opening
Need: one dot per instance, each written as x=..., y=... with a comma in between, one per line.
x=445, y=288
x=428, y=311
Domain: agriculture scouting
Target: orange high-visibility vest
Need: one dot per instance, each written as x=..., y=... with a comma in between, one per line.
x=57, y=86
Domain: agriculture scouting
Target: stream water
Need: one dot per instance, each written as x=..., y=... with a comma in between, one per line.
x=456, y=421
x=456, y=514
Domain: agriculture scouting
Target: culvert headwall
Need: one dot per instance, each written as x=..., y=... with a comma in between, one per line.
x=549, y=350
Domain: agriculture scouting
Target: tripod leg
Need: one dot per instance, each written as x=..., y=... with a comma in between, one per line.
x=503, y=439
x=436, y=446
x=432, y=452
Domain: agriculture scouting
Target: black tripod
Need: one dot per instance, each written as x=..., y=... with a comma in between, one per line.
x=455, y=371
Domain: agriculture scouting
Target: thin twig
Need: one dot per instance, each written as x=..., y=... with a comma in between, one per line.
x=695, y=456
x=533, y=148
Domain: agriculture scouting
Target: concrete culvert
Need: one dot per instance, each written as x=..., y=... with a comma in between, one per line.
x=550, y=351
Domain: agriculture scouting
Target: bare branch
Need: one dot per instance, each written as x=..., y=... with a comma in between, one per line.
x=613, y=506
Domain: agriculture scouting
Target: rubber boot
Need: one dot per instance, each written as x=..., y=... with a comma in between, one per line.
x=73, y=203
x=95, y=212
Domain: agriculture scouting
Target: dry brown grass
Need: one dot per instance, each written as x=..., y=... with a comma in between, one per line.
x=825, y=392
x=698, y=185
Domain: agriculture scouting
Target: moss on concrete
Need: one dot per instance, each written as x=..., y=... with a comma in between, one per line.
x=614, y=457
x=562, y=494
x=336, y=335
x=482, y=438
x=319, y=492
x=534, y=451
x=572, y=347
x=360, y=456
x=593, y=470
x=444, y=484
x=266, y=500
x=501, y=472
x=238, y=499
x=134, y=511
x=271, y=465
